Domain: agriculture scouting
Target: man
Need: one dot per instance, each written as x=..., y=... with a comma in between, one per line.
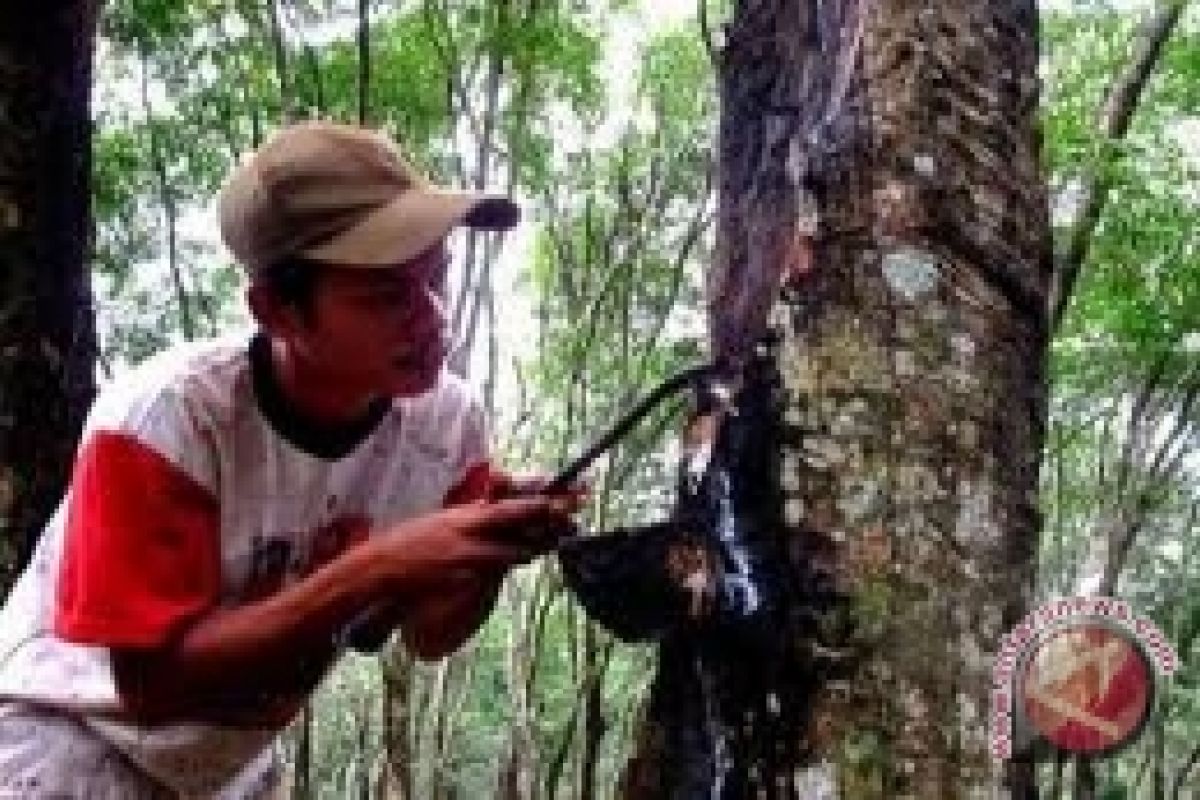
x=236, y=506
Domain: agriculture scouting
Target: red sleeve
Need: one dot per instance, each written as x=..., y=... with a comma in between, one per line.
x=479, y=482
x=141, y=554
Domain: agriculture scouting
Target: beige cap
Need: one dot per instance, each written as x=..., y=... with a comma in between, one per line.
x=344, y=195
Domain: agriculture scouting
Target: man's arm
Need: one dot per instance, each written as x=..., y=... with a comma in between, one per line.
x=282, y=644
x=438, y=625
x=443, y=623
x=278, y=646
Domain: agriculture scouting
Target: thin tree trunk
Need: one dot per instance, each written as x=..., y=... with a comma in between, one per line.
x=287, y=108
x=473, y=295
x=251, y=102
x=1159, y=775
x=47, y=333
x=882, y=212
x=170, y=212
x=314, y=72
x=450, y=675
x=396, y=779
x=558, y=763
x=1056, y=778
x=302, y=788
x=1113, y=122
x=365, y=756
x=1156, y=442
x=517, y=774
x=364, y=62
x=463, y=663
x=1085, y=779
x=1185, y=770
x=312, y=65
x=594, y=722
x=225, y=66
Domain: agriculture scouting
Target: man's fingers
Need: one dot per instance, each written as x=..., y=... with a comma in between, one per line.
x=490, y=552
x=524, y=508
x=574, y=497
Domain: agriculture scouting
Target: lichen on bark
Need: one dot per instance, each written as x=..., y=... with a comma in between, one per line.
x=47, y=341
x=889, y=233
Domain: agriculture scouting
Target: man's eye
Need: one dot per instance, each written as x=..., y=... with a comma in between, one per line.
x=393, y=297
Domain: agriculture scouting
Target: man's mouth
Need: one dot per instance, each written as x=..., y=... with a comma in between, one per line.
x=424, y=362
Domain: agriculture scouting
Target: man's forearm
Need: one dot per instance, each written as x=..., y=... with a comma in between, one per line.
x=442, y=625
x=280, y=645
x=250, y=651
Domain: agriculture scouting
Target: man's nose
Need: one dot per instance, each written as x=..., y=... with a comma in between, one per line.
x=434, y=302
x=426, y=307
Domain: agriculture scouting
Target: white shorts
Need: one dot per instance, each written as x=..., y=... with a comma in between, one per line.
x=50, y=756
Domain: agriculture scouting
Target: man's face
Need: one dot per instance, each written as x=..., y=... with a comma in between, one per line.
x=380, y=330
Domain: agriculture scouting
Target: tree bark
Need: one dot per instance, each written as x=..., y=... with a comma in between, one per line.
x=47, y=335
x=302, y=783
x=883, y=219
x=364, y=62
x=397, y=779
x=167, y=199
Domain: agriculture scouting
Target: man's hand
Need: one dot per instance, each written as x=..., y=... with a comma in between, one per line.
x=487, y=537
x=570, y=500
x=440, y=623
x=504, y=484
x=279, y=646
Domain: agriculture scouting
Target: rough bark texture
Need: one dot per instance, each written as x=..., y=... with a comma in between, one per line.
x=47, y=340
x=880, y=163
x=396, y=779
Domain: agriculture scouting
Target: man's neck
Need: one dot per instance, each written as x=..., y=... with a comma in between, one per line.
x=314, y=395
x=320, y=423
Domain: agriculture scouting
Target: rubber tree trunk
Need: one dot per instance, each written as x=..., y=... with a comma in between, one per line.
x=883, y=217
x=47, y=338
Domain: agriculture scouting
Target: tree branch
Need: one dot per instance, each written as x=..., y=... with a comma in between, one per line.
x=279, y=47
x=364, y=62
x=167, y=198
x=1183, y=773
x=706, y=33
x=1113, y=122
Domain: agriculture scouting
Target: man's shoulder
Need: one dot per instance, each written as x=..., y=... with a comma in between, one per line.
x=185, y=361
x=452, y=396
x=197, y=375
x=448, y=421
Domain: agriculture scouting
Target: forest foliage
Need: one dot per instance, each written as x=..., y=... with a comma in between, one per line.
x=600, y=118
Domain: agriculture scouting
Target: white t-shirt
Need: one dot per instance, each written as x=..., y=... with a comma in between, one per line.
x=193, y=489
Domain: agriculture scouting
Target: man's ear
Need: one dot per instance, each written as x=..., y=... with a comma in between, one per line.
x=274, y=316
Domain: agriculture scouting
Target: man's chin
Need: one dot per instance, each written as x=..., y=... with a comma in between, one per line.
x=411, y=383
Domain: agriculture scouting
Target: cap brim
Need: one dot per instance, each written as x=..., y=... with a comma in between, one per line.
x=412, y=223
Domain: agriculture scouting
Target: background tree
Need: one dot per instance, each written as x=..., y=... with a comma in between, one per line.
x=1119, y=482
x=46, y=326
x=881, y=162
